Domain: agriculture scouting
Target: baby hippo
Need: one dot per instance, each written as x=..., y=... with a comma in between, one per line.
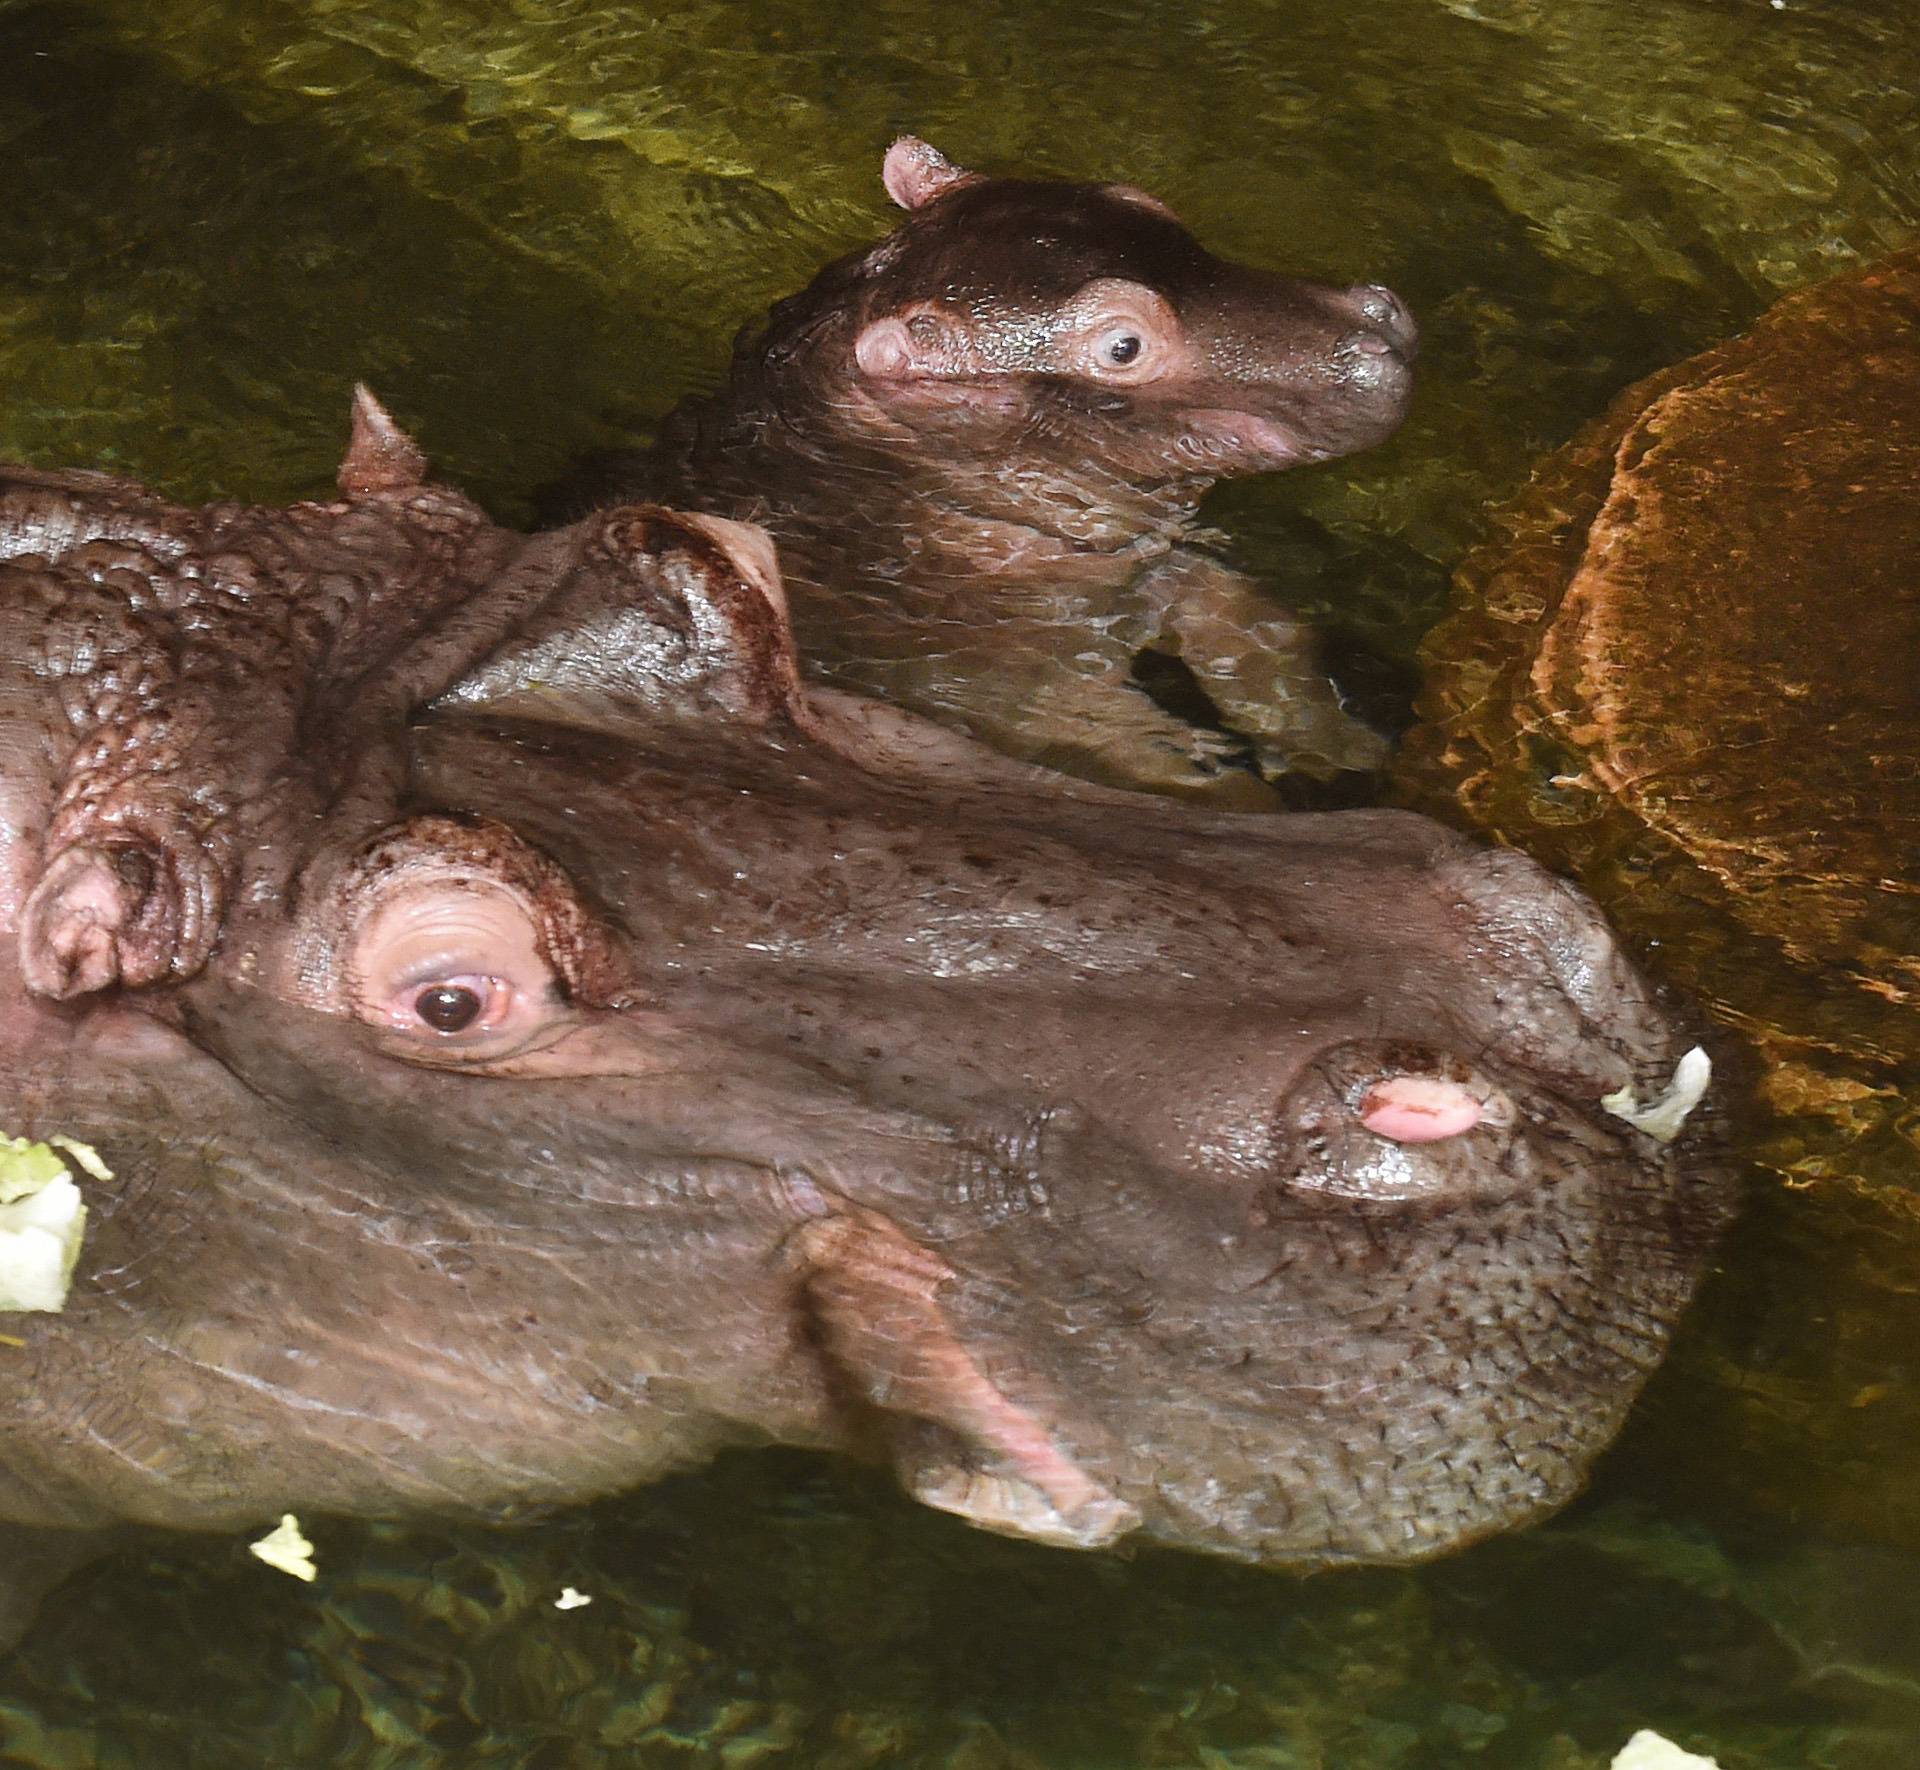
x=981, y=445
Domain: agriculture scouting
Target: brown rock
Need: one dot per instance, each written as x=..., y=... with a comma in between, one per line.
x=1685, y=669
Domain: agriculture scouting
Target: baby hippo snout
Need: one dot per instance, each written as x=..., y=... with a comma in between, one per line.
x=1375, y=358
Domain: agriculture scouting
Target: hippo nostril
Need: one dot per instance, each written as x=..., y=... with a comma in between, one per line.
x=1398, y=1120
x=1419, y=1109
x=1377, y=303
x=1386, y=314
x=1372, y=363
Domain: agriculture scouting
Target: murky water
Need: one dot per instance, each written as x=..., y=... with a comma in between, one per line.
x=531, y=227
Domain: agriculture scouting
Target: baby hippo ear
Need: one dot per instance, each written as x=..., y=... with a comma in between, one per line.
x=918, y=343
x=648, y=612
x=380, y=456
x=915, y=173
x=885, y=350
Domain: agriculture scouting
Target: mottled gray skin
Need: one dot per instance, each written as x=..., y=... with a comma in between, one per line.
x=828, y=1080
x=955, y=469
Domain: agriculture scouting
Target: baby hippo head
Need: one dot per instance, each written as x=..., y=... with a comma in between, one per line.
x=1085, y=319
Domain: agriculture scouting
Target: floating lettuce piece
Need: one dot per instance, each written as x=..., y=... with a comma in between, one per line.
x=42, y=1219
x=1662, y=1117
x=286, y=1549
x=1646, y=1750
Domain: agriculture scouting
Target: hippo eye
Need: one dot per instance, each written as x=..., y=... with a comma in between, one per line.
x=1121, y=331
x=448, y=1007
x=452, y=961
x=1126, y=348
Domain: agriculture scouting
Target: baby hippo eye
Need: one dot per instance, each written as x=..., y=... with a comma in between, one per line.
x=1119, y=332
x=1121, y=346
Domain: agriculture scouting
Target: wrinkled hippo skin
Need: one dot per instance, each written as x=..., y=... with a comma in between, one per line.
x=984, y=439
x=1683, y=671
x=539, y=1042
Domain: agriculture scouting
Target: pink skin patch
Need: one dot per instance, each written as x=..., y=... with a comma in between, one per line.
x=1418, y=1109
x=77, y=933
x=1242, y=432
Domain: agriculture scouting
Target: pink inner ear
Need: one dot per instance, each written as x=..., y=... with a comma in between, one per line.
x=1418, y=1109
x=915, y=173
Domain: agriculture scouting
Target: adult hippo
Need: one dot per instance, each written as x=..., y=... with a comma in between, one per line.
x=981, y=445
x=1683, y=671
x=636, y=1053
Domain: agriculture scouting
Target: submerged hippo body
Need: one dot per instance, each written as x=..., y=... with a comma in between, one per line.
x=635, y=1053
x=983, y=441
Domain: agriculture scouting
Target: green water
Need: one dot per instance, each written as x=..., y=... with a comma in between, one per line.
x=532, y=225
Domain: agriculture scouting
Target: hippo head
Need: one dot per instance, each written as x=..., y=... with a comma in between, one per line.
x=627, y=1051
x=1003, y=311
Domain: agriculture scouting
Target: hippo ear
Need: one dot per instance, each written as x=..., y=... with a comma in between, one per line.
x=380, y=456
x=639, y=610
x=885, y=350
x=915, y=173
x=918, y=342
